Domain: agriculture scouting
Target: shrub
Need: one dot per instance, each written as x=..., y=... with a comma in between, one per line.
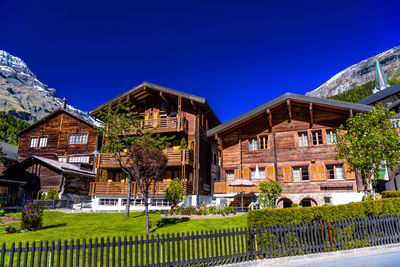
x=175, y=191
x=2, y=213
x=104, y=176
x=308, y=214
x=32, y=217
x=10, y=229
x=390, y=194
x=270, y=192
x=52, y=194
x=183, y=144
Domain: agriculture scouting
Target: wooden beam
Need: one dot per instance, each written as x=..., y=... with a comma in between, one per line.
x=289, y=106
x=219, y=141
x=163, y=97
x=351, y=113
x=269, y=116
x=311, y=115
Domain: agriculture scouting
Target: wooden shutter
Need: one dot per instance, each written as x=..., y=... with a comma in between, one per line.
x=246, y=174
x=287, y=175
x=348, y=175
x=270, y=173
x=317, y=173
x=237, y=174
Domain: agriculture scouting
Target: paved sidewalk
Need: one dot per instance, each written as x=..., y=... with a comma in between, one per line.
x=380, y=256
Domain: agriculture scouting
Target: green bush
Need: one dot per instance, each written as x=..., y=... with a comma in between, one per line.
x=390, y=194
x=32, y=217
x=175, y=191
x=10, y=229
x=295, y=215
x=2, y=213
x=52, y=194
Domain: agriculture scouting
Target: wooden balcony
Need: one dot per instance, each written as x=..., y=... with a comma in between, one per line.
x=176, y=157
x=224, y=188
x=169, y=124
x=120, y=189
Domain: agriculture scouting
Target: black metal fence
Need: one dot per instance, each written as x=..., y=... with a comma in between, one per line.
x=208, y=248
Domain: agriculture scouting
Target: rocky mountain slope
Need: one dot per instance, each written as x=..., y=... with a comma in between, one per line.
x=361, y=73
x=24, y=96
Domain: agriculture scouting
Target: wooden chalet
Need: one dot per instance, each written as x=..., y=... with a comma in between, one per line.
x=64, y=137
x=171, y=113
x=290, y=139
x=9, y=188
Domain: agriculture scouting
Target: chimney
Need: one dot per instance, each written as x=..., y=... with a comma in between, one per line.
x=65, y=103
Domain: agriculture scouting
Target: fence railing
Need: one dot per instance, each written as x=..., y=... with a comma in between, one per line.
x=54, y=204
x=208, y=248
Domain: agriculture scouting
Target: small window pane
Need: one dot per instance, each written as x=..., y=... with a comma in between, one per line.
x=331, y=137
x=43, y=142
x=339, y=172
x=253, y=144
x=304, y=174
x=317, y=138
x=331, y=172
x=303, y=139
x=296, y=174
x=230, y=175
x=34, y=142
x=77, y=139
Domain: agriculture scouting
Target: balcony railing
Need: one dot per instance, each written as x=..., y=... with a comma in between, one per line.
x=176, y=157
x=120, y=189
x=224, y=188
x=168, y=124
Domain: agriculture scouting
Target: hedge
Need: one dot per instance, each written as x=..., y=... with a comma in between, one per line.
x=390, y=194
x=308, y=214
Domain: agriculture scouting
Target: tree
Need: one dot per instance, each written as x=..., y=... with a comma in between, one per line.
x=183, y=144
x=270, y=192
x=135, y=148
x=175, y=191
x=368, y=142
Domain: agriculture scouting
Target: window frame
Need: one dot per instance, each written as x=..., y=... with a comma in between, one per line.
x=40, y=139
x=301, y=168
x=75, y=140
x=253, y=147
x=226, y=175
x=335, y=176
x=37, y=142
x=259, y=179
x=329, y=140
x=317, y=139
x=304, y=137
x=263, y=142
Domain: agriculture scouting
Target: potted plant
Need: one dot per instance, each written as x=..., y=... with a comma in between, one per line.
x=10, y=229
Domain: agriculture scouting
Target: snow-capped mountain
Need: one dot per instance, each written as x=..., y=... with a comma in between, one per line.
x=361, y=73
x=24, y=96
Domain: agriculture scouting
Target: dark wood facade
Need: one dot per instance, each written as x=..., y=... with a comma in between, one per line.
x=58, y=128
x=290, y=140
x=172, y=113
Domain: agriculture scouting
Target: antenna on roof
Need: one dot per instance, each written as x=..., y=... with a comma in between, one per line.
x=65, y=103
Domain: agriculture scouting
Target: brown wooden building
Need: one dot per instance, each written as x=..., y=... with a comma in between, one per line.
x=62, y=137
x=290, y=139
x=172, y=113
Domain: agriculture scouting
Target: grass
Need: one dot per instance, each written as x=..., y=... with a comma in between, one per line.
x=59, y=225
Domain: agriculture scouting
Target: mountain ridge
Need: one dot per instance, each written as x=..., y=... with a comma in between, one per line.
x=23, y=96
x=360, y=73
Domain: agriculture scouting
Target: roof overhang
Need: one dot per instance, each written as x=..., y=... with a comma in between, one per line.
x=277, y=101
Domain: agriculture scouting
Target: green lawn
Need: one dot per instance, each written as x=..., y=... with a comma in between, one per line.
x=59, y=225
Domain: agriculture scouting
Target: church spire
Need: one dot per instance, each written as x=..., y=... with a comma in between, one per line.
x=380, y=79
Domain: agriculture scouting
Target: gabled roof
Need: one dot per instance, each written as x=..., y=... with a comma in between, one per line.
x=284, y=97
x=59, y=110
x=57, y=166
x=10, y=151
x=371, y=99
x=153, y=86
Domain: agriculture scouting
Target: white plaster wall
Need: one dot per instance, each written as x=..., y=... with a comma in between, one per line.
x=344, y=198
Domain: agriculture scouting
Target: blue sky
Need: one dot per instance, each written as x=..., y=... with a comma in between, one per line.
x=236, y=54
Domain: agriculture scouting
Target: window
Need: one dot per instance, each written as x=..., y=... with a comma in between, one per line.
x=317, y=138
x=264, y=142
x=34, y=141
x=3, y=193
x=300, y=174
x=396, y=123
x=253, y=144
x=303, y=139
x=43, y=142
x=335, y=172
x=77, y=139
x=163, y=115
x=108, y=202
x=331, y=137
x=62, y=159
x=328, y=200
x=258, y=176
x=84, y=159
x=230, y=175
